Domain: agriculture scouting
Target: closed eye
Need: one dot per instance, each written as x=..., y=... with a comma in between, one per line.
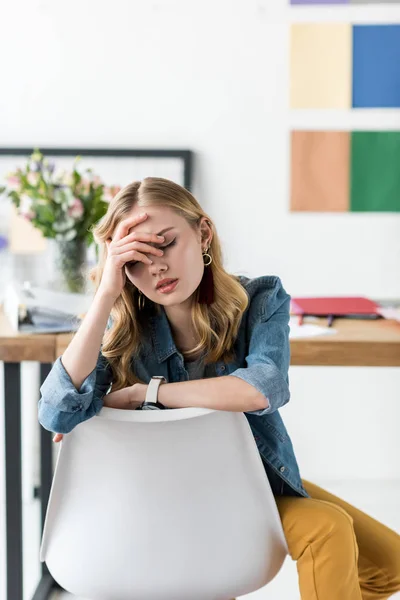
x=169, y=245
x=132, y=263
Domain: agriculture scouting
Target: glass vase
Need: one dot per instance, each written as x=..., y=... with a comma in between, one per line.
x=71, y=266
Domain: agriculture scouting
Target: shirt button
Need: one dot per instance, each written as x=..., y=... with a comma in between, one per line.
x=282, y=469
x=223, y=368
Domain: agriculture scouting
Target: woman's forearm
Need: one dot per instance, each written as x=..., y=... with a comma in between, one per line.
x=121, y=399
x=80, y=358
x=220, y=393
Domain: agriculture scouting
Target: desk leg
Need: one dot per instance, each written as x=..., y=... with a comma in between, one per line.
x=12, y=422
x=46, y=464
x=47, y=584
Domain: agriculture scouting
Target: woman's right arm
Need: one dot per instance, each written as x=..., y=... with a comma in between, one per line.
x=76, y=385
x=78, y=381
x=80, y=358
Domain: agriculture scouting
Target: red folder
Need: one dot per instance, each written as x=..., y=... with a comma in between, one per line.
x=336, y=307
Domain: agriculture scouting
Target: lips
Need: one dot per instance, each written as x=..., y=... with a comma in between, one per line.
x=164, y=283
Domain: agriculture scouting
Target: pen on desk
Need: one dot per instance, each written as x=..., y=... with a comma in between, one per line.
x=330, y=320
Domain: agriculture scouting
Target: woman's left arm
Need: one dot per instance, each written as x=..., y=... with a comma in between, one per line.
x=219, y=393
x=268, y=357
x=263, y=385
x=259, y=388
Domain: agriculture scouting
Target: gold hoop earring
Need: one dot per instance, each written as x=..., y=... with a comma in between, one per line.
x=207, y=257
x=141, y=300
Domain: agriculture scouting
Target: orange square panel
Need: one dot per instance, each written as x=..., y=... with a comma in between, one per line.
x=320, y=171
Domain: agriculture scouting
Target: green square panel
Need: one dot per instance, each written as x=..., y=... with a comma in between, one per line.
x=375, y=171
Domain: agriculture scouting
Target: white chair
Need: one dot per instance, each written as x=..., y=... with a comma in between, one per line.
x=162, y=505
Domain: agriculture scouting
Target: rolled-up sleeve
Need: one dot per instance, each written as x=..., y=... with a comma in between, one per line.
x=62, y=406
x=268, y=355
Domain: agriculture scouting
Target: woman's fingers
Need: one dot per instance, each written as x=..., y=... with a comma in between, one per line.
x=58, y=437
x=138, y=247
x=142, y=236
x=123, y=228
x=132, y=258
x=133, y=247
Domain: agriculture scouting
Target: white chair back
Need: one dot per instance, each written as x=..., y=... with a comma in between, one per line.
x=161, y=505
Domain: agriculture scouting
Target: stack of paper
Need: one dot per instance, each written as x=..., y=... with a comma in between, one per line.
x=390, y=312
x=37, y=310
x=307, y=329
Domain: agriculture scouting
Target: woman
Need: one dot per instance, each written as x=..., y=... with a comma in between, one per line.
x=221, y=342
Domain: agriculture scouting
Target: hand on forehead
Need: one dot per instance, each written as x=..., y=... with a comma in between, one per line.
x=158, y=219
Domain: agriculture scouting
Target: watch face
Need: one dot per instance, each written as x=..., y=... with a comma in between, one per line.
x=152, y=406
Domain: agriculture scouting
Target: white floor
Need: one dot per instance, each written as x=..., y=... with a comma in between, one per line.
x=381, y=500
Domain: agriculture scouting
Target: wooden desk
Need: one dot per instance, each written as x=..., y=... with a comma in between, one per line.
x=357, y=343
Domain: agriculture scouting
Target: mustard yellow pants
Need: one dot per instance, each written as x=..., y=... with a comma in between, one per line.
x=341, y=553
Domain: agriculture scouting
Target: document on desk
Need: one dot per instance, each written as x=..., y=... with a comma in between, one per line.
x=390, y=312
x=36, y=310
x=307, y=329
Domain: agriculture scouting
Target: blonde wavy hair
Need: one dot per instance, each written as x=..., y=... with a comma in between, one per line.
x=216, y=325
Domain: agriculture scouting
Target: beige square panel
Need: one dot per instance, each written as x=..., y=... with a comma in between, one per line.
x=320, y=63
x=320, y=171
x=24, y=238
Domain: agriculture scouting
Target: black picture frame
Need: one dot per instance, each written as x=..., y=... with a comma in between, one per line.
x=185, y=155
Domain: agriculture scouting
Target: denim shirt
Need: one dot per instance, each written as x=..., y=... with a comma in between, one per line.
x=262, y=358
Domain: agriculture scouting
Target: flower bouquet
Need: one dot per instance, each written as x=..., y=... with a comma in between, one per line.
x=63, y=206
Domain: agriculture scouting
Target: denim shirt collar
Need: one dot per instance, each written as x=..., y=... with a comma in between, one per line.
x=162, y=336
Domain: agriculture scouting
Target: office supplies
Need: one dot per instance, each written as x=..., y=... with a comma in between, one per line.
x=332, y=307
x=37, y=310
x=307, y=330
x=390, y=312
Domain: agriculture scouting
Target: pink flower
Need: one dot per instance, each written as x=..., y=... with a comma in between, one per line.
x=76, y=209
x=110, y=192
x=13, y=182
x=28, y=215
x=84, y=186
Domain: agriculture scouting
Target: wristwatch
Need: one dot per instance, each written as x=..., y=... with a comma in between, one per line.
x=151, y=402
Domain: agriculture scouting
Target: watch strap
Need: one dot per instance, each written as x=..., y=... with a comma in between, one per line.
x=151, y=401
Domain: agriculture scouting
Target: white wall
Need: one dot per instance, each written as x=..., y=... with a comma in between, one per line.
x=213, y=76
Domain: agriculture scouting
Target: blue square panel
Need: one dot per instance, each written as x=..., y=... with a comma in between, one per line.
x=376, y=66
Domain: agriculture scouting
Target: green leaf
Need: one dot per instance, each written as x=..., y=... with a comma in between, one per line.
x=44, y=213
x=15, y=197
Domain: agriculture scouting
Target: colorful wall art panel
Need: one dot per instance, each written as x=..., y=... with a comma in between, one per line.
x=343, y=171
x=375, y=171
x=335, y=65
x=376, y=66
x=320, y=171
x=320, y=56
